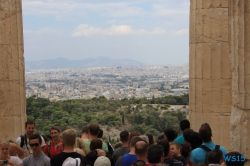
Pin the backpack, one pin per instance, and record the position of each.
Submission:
(49, 149)
(110, 148)
(24, 140)
(208, 150)
(119, 161)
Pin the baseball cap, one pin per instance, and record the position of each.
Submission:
(71, 162)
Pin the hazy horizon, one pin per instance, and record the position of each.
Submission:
(100, 57)
(154, 32)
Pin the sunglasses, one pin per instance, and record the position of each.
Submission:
(36, 144)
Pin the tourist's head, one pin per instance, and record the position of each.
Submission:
(215, 157)
(85, 130)
(165, 145)
(185, 150)
(69, 137)
(155, 154)
(95, 144)
(141, 148)
(35, 142)
(184, 124)
(30, 127)
(205, 132)
(160, 137)
(54, 132)
(194, 140)
(134, 140)
(150, 138)
(186, 134)
(124, 136)
(36, 136)
(132, 134)
(175, 149)
(79, 151)
(94, 129)
(170, 134)
(5, 146)
(102, 161)
(80, 144)
(140, 163)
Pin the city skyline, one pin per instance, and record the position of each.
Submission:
(152, 32)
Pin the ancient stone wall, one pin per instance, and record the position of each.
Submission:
(210, 71)
(239, 16)
(12, 83)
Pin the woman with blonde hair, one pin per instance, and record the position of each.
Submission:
(5, 158)
(79, 151)
(81, 145)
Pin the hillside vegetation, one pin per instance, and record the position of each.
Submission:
(143, 115)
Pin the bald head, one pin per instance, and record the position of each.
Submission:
(141, 148)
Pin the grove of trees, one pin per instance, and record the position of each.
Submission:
(143, 115)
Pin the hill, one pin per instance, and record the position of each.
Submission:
(143, 115)
(60, 63)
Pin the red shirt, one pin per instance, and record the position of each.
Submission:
(189, 163)
(53, 150)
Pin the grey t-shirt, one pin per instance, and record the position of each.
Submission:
(120, 152)
(40, 160)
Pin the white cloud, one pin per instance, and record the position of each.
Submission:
(87, 30)
(180, 32)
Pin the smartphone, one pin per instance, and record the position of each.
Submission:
(5, 161)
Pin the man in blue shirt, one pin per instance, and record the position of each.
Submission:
(129, 158)
(198, 155)
(184, 124)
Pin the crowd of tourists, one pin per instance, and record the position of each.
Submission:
(66, 149)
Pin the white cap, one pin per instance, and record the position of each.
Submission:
(102, 161)
(71, 162)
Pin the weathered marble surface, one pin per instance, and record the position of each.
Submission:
(239, 21)
(12, 83)
(210, 68)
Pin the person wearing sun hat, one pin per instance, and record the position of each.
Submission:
(102, 161)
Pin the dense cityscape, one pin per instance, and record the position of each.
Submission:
(111, 82)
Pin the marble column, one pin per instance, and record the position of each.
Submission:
(12, 82)
(239, 21)
(210, 72)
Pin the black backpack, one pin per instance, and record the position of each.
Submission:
(208, 150)
(24, 140)
(110, 148)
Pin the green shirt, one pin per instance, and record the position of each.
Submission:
(104, 146)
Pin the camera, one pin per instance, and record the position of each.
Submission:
(5, 161)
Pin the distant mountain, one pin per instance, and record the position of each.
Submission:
(60, 63)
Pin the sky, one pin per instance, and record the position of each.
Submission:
(154, 32)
